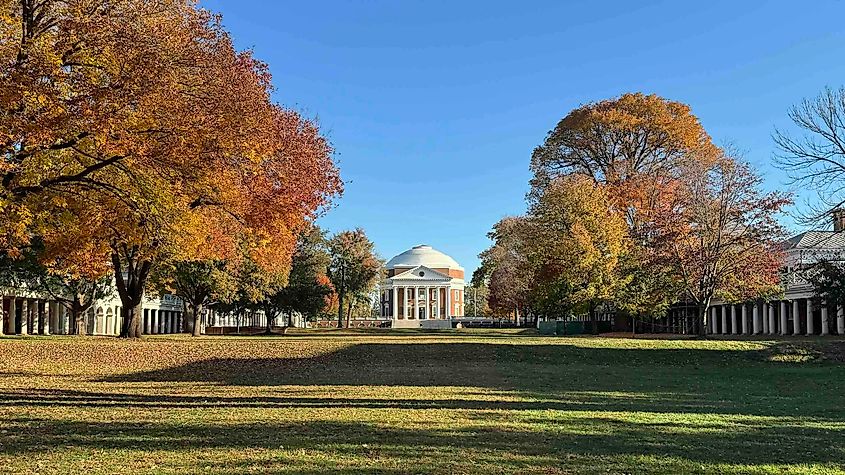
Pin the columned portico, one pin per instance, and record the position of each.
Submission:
(418, 288)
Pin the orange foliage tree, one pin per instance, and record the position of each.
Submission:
(634, 143)
(718, 236)
(142, 116)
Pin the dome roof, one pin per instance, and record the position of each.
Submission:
(423, 255)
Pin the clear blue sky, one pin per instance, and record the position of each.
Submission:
(434, 106)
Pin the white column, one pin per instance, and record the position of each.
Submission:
(10, 321)
(825, 325)
(840, 320)
(756, 317)
(428, 302)
(744, 318)
(66, 323)
(24, 317)
(448, 302)
(765, 317)
(772, 324)
(734, 327)
(796, 318)
(44, 317)
(725, 320)
(714, 327)
(56, 317)
(409, 302)
(810, 325)
(395, 308)
(417, 302)
(157, 320)
(784, 321)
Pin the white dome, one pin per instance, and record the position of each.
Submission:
(423, 255)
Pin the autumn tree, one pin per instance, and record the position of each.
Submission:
(507, 266)
(815, 158)
(307, 287)
(634, 143)
(354, 268)
(153, 123)
(578, 240)
(718, 235)
(198, 284)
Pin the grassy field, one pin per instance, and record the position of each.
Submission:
(392, 402)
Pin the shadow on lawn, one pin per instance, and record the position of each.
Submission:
(562, 377)
(570, 445)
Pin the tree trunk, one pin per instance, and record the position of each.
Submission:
(702, 320)
(269, 329)
(132, 321)
(77, 322)
(195, 315)
(349, 312)
(340, 309)
(130, 288)
(593, 324)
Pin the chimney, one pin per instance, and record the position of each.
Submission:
(838, 219)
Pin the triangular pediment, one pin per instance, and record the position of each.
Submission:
(427, 274)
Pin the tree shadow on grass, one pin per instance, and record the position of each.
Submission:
(55, 398)
(555, 376)
(508, 448)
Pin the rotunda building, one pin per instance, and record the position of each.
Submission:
(423, 288)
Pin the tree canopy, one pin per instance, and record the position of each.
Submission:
(138, 129)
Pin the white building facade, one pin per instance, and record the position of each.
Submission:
(29, 313)
(800, 311)
(424, 288)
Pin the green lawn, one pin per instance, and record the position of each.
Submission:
(406, 402)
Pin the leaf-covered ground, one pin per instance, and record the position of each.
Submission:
(406, 402)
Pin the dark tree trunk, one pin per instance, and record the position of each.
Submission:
(340, 309)
(195, 316)
(130, 288)
(132, 321)
(77, 326)
(702, 320)
(593, 324)
(269, 327)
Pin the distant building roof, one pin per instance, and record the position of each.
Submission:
(817, 240)
(423, 255)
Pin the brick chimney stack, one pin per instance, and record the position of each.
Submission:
(838, 219)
